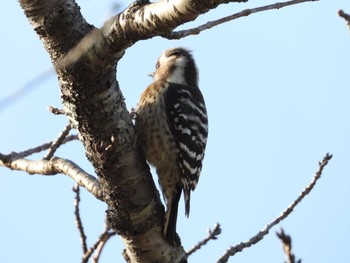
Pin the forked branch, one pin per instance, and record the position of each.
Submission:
(96, 249)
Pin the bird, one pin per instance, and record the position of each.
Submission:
(172, 130)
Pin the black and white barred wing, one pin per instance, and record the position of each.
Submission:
(189, 125)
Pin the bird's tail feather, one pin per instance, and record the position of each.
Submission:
(171, 218)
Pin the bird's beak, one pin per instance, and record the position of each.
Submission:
(151, 74)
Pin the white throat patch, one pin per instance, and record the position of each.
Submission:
(178, 75)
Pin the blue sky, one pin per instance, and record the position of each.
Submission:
(275, 84)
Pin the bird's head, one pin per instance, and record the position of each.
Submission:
(176, 65)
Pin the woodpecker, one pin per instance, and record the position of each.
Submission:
(172, 129)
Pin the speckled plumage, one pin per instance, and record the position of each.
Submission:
(172, 128)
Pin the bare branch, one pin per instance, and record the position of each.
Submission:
(287, 246)
(19, 155)
(140, 20)
(58, 142)
(98, 246)
(55, 166)
(101, 244)
(258, 237)
(244, 13)
(147, 20)
(212, 236)
(25, 89)
(78, 221)
(344, 15)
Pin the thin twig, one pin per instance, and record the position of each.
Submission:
(55, 111)
(25, 89)
(255, 239)
(195, 31)
(78, 222)
(344, 15)
(58, 142)
(98, 246)
(287, 246)
(101, 245)
(212, 236)
(19, 155)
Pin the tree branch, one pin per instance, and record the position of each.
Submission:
(78, 221)
(344, 15)
(143, 21)
(139, 21)
(243, 13)
(258, 237)
(25, 89)
(98, 246)
(213, 234)
(57, 143)
(287, 246)
(18, 155)
(55, 166)
(101, 244)
(55, 111)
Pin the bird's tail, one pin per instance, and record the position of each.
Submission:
(171, 219)
(187, 197)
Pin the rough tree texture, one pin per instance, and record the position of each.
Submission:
(85, 59)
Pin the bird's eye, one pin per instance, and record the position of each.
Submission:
(157, 65)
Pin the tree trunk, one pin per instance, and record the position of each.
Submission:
(85, 59)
